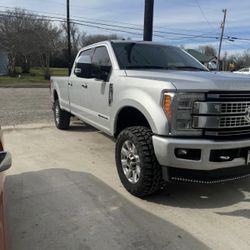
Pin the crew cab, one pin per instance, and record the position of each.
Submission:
(172, 118)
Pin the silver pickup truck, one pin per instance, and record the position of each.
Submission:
(173, 120)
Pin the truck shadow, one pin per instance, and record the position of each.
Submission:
(204, 196)
(79, 126)
(60, 209)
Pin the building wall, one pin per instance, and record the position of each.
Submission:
(3, 63)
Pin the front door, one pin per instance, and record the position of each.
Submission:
(97, 101)
(78, 91)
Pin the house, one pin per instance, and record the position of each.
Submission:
(3, 63)
(209, 61)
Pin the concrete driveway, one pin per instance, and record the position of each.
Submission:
(63, 192)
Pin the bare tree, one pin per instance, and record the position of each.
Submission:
(208, 50)
(74, 35)
(46, 39)
(27, 37)
(10, 26)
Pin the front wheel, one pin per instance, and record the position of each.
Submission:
(62, 117)
(137, 166)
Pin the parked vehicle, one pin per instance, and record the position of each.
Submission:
(244, 71)
(5, 163)
(171, 117)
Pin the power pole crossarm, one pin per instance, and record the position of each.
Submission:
(221, 38)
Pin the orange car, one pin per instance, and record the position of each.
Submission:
(5, 163)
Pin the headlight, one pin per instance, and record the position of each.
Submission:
(179, 108)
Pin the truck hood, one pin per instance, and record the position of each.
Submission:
(195, 80)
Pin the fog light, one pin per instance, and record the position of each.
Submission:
(188, 153)
(182, 151)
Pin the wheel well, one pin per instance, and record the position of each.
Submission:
(55, 95)
(129, 117)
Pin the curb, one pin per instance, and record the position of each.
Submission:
(28, 126)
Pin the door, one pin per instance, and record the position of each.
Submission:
(77, 88)
(98, 92)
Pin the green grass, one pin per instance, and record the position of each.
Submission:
(34, 79)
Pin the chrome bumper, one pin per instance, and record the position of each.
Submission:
(5, 161)
(164, 148)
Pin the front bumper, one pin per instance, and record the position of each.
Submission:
(164, 148)
(5, 161)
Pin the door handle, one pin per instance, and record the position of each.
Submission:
(85, 85)
(70, 84)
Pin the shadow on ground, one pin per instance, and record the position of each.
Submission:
(205, 196)
(79, 126)
(59, 209)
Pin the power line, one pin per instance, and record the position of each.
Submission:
(203, 14)
(130, 30)
(102, 20)
(156, 32)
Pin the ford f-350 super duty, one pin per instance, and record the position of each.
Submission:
(172, 118)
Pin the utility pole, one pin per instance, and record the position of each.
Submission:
(221, 38)
(148, 20)
(69, 40)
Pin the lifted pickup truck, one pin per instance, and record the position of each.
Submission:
(171, 117)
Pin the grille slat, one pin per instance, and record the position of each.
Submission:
(231, 122)
(232, 111)
(237, 107)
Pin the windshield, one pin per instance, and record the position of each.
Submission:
(154, 56)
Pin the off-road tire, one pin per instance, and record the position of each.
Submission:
(62, 119)
(150, 180)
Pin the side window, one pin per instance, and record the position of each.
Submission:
(88, 52)
(82, 64)
(101, 64)
(101, 57)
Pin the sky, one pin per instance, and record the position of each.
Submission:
(190, 23)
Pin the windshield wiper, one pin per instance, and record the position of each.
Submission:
(188, 67)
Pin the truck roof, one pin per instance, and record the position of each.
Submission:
(126, 41)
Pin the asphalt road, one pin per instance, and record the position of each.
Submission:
(24, 106)
(63, 192)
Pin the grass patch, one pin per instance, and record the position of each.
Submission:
(34, 79)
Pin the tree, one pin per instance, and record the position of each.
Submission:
(27, 38)
(10, 25)
(75, 38)
(47, 40)
(208, 50)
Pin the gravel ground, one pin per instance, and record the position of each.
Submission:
(24, 106)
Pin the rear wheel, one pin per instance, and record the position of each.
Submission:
(137, 166)
(62, 117)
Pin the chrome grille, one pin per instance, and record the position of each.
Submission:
(223, 114)
(233, 121)
(234, 107)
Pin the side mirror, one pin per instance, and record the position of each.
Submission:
(5, 161)
(83, 67)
